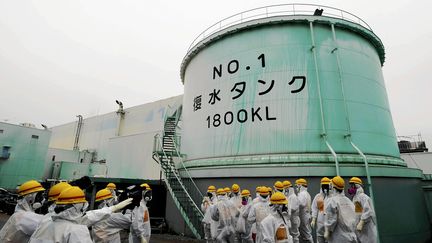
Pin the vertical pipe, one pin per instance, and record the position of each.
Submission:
(369, 180)
(78, 132)
(323, 127)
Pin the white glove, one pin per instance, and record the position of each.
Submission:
(121, 205)
(360, 225)
(313, 222)
(143, 240)
(326, 234)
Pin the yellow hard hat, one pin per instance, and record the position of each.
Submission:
(71, 195)
(245, 193)
(263, 191)
(325, 181)
(301, 181)
(30, 187)
(278, 198)
(146, 186)
(103, 194)
(111, 186)
(338, 182)
(279, 185)
(220, 191)
(286, 184)
(227, 190)
(257, 189)
(55, 190)
(235, 188)
(356, 180)
(211, 189)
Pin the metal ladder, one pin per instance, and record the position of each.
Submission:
(182, 189)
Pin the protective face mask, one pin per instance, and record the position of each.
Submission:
(30, 198)
(264, 196)
(325, 189)
(36, 205)
(148, 196)
(284, 208)
(352, 190)
(79, 207)
(244, 201)
(209, 194)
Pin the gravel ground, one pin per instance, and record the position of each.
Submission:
(155, 238)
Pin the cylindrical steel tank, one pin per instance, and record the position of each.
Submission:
(291, 93)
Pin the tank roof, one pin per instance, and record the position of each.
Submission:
(278, 14)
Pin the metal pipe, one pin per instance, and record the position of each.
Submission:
(78, 132)
(369, 180)
(323, 127)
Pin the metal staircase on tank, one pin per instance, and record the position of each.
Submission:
(183, 190)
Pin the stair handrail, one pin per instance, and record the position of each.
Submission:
(176, 147)
(182, 211)
(184, 167)
(180, 182)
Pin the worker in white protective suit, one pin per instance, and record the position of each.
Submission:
(228, 192)
(21, 225)
(243, 227)
(68, 223)
(224, 213)
(365, 213)
(278, 187)
(236, 197)
(293, 207)
(304, 211)
(276, 225)
(339, 219)
(259, 211)
(318, 205)
(208, 223)
(113, 189)
(53, 194)
(140, 230)
(108, 230)
(255, 200)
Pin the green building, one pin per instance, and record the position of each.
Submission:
(23, 150)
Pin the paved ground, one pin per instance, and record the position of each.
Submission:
(155, 238)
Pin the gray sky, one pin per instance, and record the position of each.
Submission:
(61, 58)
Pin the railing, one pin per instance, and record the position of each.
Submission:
(278, 10)
(174, 172)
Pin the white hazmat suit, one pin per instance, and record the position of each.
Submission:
(244, 228)
(339, 220)
(318, 205)
(64, 227)
(365, 217)
(293, 207)
(224, 213)
(140, 229)
(259, 211)
(22, 224)
(276, 227)
(305, 214)
(208, 223)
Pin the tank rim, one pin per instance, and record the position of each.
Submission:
(340, 23)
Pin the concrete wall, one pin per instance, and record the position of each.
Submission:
(399, 202)
(421, 161)
(28, 149)
(125, 144)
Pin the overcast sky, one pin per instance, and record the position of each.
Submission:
(62, 58)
